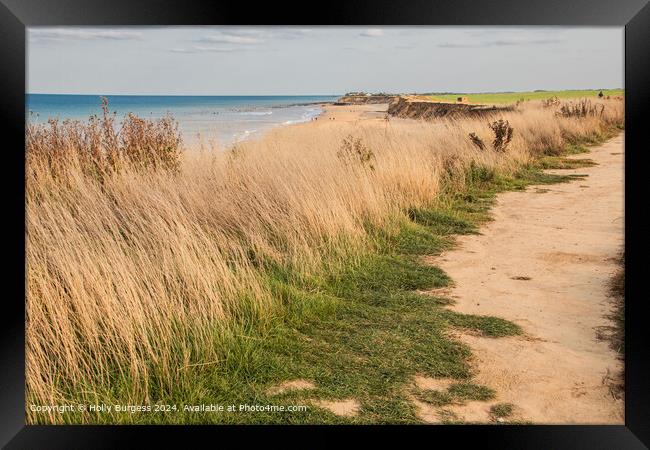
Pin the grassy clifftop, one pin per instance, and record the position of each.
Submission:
(512, 97)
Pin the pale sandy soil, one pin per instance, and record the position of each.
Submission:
(346, 408)
(353, 113)
(292, 385)
(566, 240)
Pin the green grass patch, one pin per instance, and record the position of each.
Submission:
(551, 162)
(485, 325)
(501, 410)
(512, 97)
(415, 239)
(442, 222)
(435, 398)
(456, 393)
(575, 149)
(470, 391)
(615, 333)
(379, 276)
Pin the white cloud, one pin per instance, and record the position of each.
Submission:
(252, 36)
(90, 59)
(180, 50)
(292, 33)
(81, 34)
(499, 43)
(266, 33)
(372, 32)
(205, 49)
(504, 42)
(230, 39)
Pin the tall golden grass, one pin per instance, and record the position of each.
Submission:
(136, 275)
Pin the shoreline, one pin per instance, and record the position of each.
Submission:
(330, 113)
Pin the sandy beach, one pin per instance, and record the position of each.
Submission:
(352, 113)
(332, 113)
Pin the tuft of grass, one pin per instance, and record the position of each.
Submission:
(485, 325)
(574, 149)
(616, 335)
(442, 222)
(470, 391)
(375, 276)
(416, 239)
(458, 393)
(551, 162)
(435, 398)
(501, 410)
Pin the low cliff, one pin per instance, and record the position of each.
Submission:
(407, 108)
(363, 99)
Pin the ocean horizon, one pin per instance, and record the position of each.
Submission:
(221, 118)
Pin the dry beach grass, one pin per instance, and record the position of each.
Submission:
(137, 275)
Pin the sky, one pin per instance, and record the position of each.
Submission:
(198, 60)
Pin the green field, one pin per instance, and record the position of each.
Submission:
(511, 97)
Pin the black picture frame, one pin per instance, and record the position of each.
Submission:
(634, 15)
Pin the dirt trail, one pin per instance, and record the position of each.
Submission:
(566, 241)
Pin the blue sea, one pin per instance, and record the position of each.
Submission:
(225, 119)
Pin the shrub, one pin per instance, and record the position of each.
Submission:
(100, 147)
(354, 152)
(477, 173)
(582, 108)
(502, 135)
(551, 102)
(477, 141)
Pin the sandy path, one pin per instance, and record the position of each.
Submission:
(566, 240)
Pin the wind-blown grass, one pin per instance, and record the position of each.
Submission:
(198, 282)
